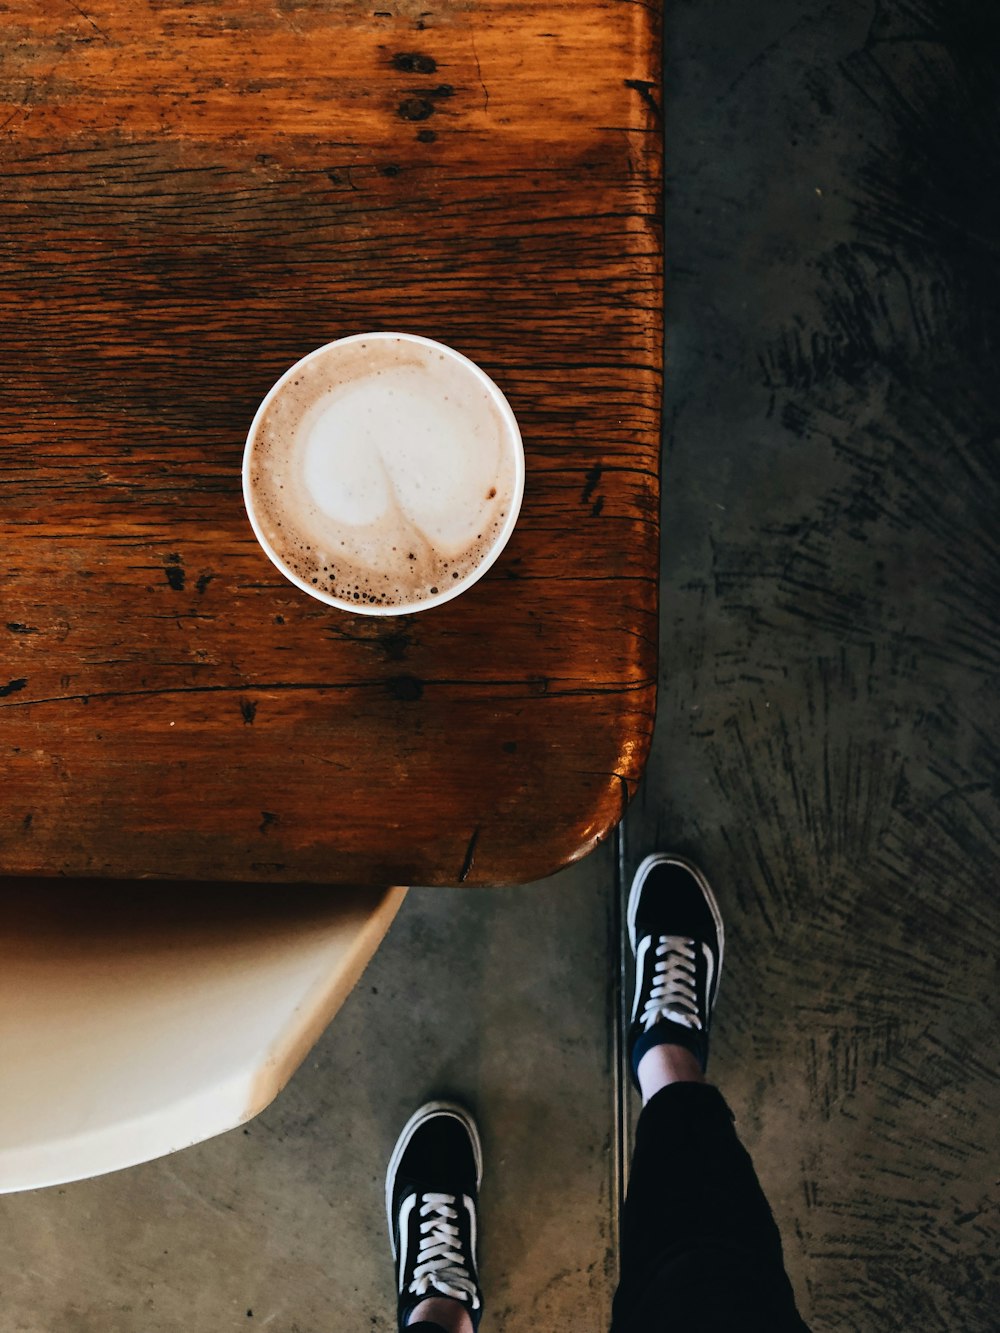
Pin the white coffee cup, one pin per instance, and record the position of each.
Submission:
(383, 473)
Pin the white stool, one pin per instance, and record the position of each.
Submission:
(139, 1018)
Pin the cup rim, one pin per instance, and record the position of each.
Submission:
(513, 441)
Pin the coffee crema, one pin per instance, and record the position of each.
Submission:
(382, 470)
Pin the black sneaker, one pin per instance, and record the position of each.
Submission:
(676, 933)
(431, 1199)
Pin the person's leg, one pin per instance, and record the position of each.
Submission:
(699, 1244)
(432, 1200)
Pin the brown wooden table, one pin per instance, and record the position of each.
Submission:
(194, 194)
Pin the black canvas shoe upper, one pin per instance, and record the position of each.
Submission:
(432, 1191)
(677, 936)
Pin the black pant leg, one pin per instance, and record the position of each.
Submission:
(700, 1248)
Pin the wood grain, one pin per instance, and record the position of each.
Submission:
(192, 197)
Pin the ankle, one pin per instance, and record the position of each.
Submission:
(666, 1064)
(451, 1315)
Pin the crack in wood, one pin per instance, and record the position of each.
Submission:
(470, 856)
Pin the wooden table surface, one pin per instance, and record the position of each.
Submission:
(192, 196)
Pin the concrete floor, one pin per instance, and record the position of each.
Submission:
(827, 748)
(467, 996)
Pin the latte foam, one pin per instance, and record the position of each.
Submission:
(380, 470)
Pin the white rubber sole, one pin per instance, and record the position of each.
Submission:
(642, 874)
(418, 1118)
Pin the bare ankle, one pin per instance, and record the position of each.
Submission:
(451, 1315)
(666, 1064)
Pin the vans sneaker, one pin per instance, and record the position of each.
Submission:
(677, 937)
(431, 1199)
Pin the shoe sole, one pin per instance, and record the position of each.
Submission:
(639, 880)
(418, 1118)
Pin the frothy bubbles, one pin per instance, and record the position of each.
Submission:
(382, 471)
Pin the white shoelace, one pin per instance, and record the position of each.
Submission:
(674, 993)
(440, 1262)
